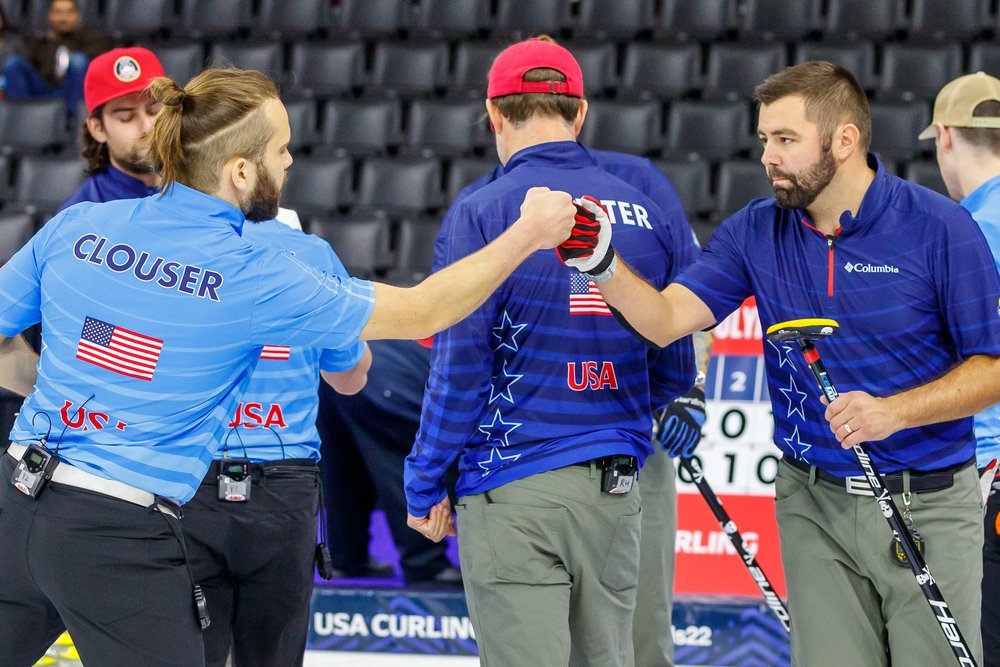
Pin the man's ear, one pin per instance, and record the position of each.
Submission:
(496, 118)
(581, 115)
(846, 140)
(241, 174)
(945, 139)
(96, 128)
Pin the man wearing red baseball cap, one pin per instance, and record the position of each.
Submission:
(548, 511)
(120, 112)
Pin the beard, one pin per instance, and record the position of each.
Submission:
(135, 162)
(262, 204)
(803, 188)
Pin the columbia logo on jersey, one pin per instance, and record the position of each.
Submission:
(858, 267)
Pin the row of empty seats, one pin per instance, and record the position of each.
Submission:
(447, 127)
(661, 69)
(700, 19)
(376, 193)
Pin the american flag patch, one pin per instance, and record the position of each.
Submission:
(118, 350)
(585, 298)
(276, 352)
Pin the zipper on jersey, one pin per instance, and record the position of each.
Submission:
(830, 238)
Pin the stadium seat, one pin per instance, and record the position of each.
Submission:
(302, 119)
(259, 55)
(925, 173)
(985, 57)
(326, 68)
(15, 230)
(715, 130)
(876, 19)
(598, 62)
(180, 60)
(215, 18)
(32, 125)
(778, 19)
(447, 18)
(472, 67)
(622, 19)
(520, 19)
(44, 182)
(739, 182)
(138, 20)
(292, 18)
(954, 19)
(446, 127)
(630, 126)
(34, 19)
(361, 243)
(895, 126)
(319, 186)
(691, 178)
(409, 68)
(414, 250)
(704, 19)
(660, 69)
(735, 68)
(464, 171)
(371, 18)
(857, 56)
(361, 126)
(918, 70)
(399, 185)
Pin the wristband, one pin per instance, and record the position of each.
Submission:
(605, 269)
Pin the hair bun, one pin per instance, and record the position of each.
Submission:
(167, 92)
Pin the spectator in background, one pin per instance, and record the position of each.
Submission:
(56, 63)
(966, 133)
(120, 112)
(10, 43)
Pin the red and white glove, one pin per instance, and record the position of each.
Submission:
(588, 248)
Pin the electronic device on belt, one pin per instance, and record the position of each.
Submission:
(619, 473)
(34, 470)
(234, 480)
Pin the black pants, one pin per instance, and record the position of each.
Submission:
(110, 572)
(366, 437)
(254, 561)
(991, 584)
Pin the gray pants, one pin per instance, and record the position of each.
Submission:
(551, 566)
(652, 638)
(850, 605)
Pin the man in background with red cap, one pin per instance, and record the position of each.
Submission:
(119, 113)
(544, 397)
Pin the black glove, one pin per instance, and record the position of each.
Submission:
(679, 424)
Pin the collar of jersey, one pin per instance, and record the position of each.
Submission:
(129, 181)
(978, 197)
(196, 205)
(872, 204)
(564, 154)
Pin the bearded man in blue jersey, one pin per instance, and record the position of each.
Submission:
(910, 278)
(156, 312)
(545, 398)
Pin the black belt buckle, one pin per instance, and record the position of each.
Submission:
(619, 473)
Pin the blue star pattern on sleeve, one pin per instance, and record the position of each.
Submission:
(506, 332)
(497, 431)
(507, 381)
(795, 443)
(795, 398)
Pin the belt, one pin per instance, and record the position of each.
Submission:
(599, 461)
(262, 468)
(921, 481)
(68, 475)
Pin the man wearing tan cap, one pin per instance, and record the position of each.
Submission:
(966, 133)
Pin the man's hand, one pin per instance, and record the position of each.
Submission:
(588, 248)
(679, 424)
(549, 216)
(436, 524)
(857, 416)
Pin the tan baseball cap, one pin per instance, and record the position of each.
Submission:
(957, 100)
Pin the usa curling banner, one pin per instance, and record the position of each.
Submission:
(719, 617)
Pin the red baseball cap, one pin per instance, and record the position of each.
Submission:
(507, 72)
(119, 72)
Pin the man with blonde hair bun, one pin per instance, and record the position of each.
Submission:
(155, 313)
